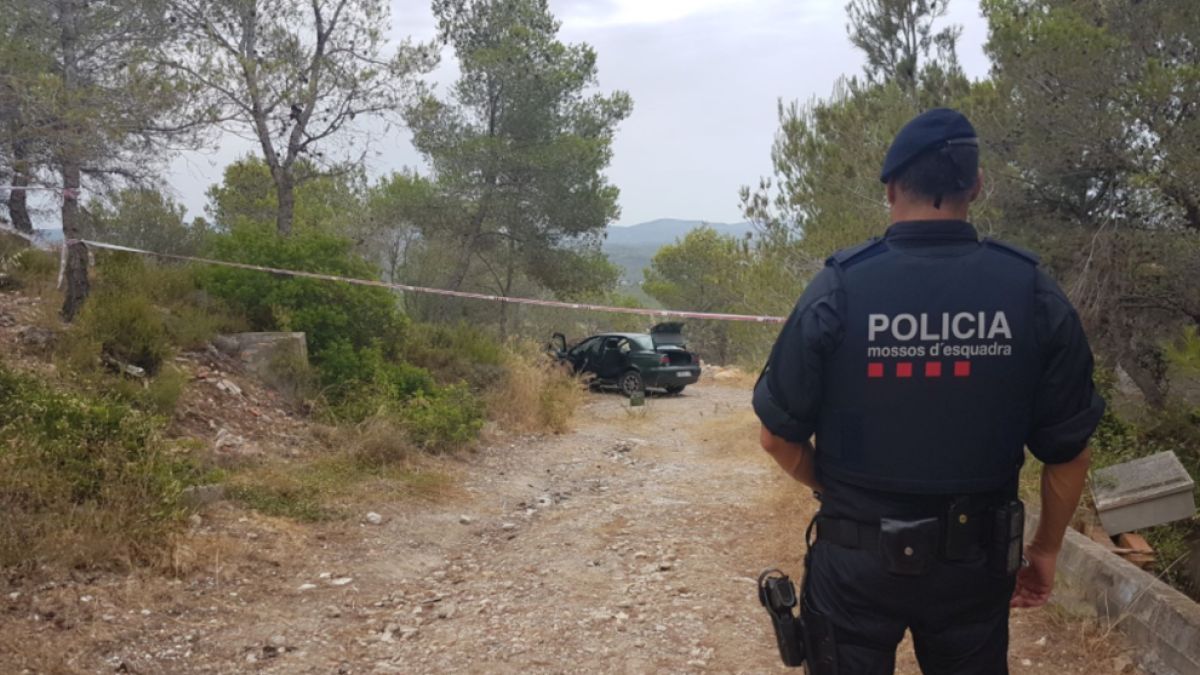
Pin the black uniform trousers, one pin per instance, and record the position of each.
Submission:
(958, 612)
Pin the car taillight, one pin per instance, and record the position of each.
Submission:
(666, 360)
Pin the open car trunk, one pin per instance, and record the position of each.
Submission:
(668, 335)
(668, 339)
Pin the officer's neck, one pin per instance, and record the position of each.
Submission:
(905, 211)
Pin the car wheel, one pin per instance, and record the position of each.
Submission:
(631, 383)
(675, 391)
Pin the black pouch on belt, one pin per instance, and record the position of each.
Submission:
(909, 547)
(1008, 539)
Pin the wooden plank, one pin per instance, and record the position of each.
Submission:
(1134, 541)
(1136, 550)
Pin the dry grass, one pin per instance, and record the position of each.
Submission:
(329, 485)
(734, 439)
(536, 394)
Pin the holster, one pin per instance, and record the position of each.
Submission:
(805, 640)
(777, 593)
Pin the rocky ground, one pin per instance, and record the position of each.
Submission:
(629, 546)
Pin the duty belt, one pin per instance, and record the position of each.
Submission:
(910, 546)
(865, 536)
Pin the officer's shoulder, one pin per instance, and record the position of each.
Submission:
(1014, 251)
(856, 254)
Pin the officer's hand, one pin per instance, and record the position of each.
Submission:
(1035, 581)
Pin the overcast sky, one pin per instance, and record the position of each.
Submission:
(705, 76)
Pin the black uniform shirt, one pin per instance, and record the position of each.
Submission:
(788, 396)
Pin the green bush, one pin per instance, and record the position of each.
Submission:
(331, 314)
(83, 480)
(123, 327)
(457, 353)
(447, 421)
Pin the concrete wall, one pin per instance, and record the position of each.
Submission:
(1162, 624)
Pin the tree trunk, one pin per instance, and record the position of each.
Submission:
(470, 241)
(18, 204)
(285, 184)
(77, 257)
(508, 284)
(1144, 377)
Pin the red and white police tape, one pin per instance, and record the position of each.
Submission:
(406, 288)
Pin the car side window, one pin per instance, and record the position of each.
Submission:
(585, 346)
(625, 347)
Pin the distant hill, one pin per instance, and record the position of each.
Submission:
(633, 247)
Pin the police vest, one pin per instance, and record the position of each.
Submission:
(931, 389)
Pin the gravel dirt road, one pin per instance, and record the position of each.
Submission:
(627, 547)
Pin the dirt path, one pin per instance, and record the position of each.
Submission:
(627, 547)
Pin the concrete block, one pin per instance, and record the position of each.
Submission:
(1161, 623)
(1150, 491)
(258, 351)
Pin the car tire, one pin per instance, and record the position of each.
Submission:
(675, 391)
(631, 383)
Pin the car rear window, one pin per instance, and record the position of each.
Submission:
(643, 342)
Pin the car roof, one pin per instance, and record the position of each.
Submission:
(622, 335)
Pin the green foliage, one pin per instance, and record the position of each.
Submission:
(140, 312)
(248, 196)
(124, 328)
(710, 272)
(319, 490)
(519, 147)
(334, 316)
(448, 421)
(295, 75)
(139, 315)
(1186, 352)
(455, 353)
(895, 34)
(146, 219)
(83, 480)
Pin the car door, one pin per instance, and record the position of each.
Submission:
(579, 355)
(611, 358)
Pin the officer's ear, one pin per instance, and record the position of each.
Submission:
(975, 191)
(893, 193)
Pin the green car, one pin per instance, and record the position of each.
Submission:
(633, 362)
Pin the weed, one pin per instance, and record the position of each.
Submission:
(83, 480)
(290, 373)
(450, 420)
(322, 489)
(379, 442)
(536, 394)
(458, 353)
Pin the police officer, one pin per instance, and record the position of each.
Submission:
(924, 363)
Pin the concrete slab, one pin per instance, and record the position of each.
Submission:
(1145, 492)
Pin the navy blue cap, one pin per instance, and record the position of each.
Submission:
(924, 132)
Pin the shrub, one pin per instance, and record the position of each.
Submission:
(22, 265)
(447, 421)
(458, 353)
(121, 327)
(83, 480)
(330, 314)
(536, 394)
